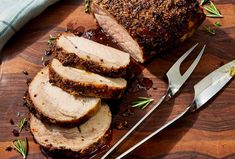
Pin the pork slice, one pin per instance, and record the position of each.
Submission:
(145, 28)
(78, 51)
(79, 141)
(51, 104)
(79, 81)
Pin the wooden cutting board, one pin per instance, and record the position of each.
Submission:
(206, 134)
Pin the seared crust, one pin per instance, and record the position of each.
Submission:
(72, 60)
(62, 152)
(86, 153)
(155, 25)
(69, 123)
(77, 88)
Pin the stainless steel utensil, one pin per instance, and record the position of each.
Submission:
(204, 91)
(175, 81)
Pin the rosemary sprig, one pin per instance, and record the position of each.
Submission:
(142, 102)
(217, 23)
(87, 6)
(209, 30)
(214, 12)
(21, 124)
(51, 38)
(21, 146)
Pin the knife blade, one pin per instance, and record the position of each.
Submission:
(204, 91)
(212, 84)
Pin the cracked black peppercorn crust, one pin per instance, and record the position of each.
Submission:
(80, 82)
(76, 62)
(156, 25)
(77, 52)
(89, 152)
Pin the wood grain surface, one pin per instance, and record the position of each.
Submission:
(206, 134)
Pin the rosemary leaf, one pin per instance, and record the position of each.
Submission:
(213, 6)
(209, 9)
(138, 104)
(87, 6)
(21, 124)
(209, 30)
(217, 23)
(146, 104)
(143, 98)
(51, 38)
(17, 114)
(203, 2)
(214, 12)
(21, 145)
(214, 16)
(142, 102)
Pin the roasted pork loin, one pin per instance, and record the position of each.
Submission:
(78, 81)
(51, 104)
(77, 141)
(145, 28)
(78, 51)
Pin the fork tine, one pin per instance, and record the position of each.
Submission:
(175, 79)
(194, 64)
(181, 59)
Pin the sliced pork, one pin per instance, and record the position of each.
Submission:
(51, 104)
(78, 52)
(79, 81)
(145, 28)
(78, 141)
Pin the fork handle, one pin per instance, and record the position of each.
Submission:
(154, 133)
